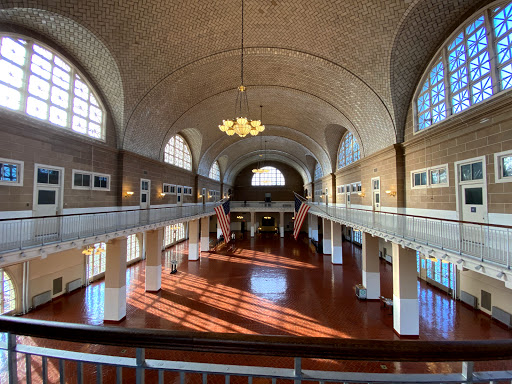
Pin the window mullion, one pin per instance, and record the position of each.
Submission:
(447, 85)
(492, 42)
(26, 73)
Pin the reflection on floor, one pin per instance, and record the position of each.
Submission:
(276, 286)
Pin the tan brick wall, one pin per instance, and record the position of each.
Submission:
(483, 130)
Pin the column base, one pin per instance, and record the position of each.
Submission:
(153, 278)
(406, 317)
(205, 244)
(193, 252)
(337, 255)
(115, 304)
(371, 281)
(407, 337)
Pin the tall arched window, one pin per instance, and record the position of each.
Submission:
(215, 171)
(318, 171)
(96, 260)
(465, 71)
(177, 153)
(132, 247)
(7, 293)
(349, 150)
(37, 81)
(271, 178)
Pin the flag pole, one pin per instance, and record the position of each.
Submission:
(300, 197)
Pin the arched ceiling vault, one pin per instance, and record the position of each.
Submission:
(253, 158)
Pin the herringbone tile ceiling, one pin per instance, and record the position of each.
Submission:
(319, 67)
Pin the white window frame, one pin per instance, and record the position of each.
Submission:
(21, 167)
(498, 171)
(92, 175)
(428, 171)
(172, 189)
(339, 189)
(187, 191)
(355, 187)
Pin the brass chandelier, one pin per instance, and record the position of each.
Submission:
(242, 125)
(261, 169)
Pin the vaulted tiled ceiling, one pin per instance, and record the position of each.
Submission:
(318, 67)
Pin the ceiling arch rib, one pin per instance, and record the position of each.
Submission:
(252, 158)
(346, 99)
(283, 139)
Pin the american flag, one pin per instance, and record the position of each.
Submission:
(301, 210)
(224, 219)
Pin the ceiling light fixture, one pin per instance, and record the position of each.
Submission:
(242, 125)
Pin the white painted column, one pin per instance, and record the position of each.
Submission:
(406, 319)
(154, 260)
(193, 240)
(327, 246)
(205, 234)
(336, 243)
(371, 266)
(252, 224)
(115, 280)
(310, 227)
(219, 230)
(281, 224)
(314, 227)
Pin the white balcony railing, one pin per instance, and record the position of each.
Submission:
(487, 242)
(262, 205)
(23, 233)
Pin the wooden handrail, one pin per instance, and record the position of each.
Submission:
(418, 217)
(289, 346)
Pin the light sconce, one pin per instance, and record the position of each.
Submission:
(162, 194)
(239, 217)
(293, 218)
(267, 217)
(361, 194)
(129, 193)
(391, 193)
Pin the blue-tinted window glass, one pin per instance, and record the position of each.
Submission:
(503, 21)
(477, 42)
(479, 66)
(504, 49)
(8, 172)
(460, 101)
(482, 90)
(459, 79)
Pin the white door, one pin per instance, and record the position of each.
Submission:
(48, 182)
(376, 193)
(347, 195)
(145, 190)
(203, 195)
(179, 195)
(326, 196)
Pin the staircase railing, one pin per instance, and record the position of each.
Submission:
(78, 366)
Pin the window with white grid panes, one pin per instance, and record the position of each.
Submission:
(132, 247)
(7, 293)
(318, 171)
(96, 262)
(180, 233)
(349, 150)
(177, 153)
(40, 83)
(215, 171)
(474, 64)
(273, 177)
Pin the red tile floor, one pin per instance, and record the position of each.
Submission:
(273, 286)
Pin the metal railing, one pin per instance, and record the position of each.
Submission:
(23, 361)
(486, 242)
(277, 205)
(23, 233)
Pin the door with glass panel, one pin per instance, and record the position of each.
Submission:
(348, 190)
(179, 195)
(376, 193)
(472, 200)
(145, 190)
(47, 201)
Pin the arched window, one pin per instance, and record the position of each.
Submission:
(37, 81)
(464, 71)
(318, 171)
(96, 260)
(7, 293)
(132, 247)
(270, 178)
(215, 171)
(177, 153)
(349, 150)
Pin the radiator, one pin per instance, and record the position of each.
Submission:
(500, 315)
(41, 299)
(72, 285)
(470, 300)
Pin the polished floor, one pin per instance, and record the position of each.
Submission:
(270, 285)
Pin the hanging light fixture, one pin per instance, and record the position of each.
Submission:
(242, 125)
(262, 169)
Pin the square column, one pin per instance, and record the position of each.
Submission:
(314, 227)
(406, 319)
(326, 223)
(154, 260)
(336, 243)
(252, 224)
(281, 224)
(205, 234)
(193, 240)
(115, 280)
(371, 266)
